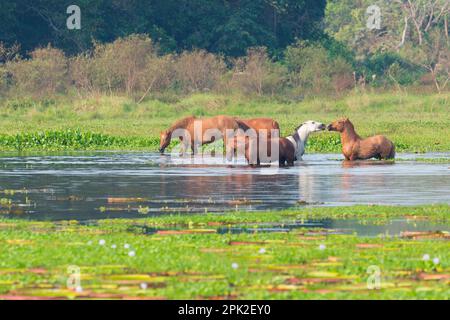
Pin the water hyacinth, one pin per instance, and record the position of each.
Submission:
(131, 253)
(102, 242)
(436, 260)
(322, 247)
(426, 257)
(234, 265)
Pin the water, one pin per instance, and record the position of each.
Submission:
(87, 186)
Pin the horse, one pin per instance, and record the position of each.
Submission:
(356, 148)
(210, 129)
(260, 124)
(301, 135)
(291, 148)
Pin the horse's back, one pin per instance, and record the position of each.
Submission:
(378, 146)
(261, 123)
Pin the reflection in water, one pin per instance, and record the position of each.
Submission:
(307, 184)
(92, 186)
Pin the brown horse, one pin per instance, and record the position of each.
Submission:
(258, 124)
(356, 148)
(214, 127)
(261, 126)
(250, 145)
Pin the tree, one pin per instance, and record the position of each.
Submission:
(223, 26)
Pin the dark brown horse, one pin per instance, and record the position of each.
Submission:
(209, 130)
(356, 148)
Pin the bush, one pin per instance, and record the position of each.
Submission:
(390, 68)
(43, 75)
(257, 74)
(311, 69)
(7, 54)
(198, 71)
(158, 75)
(82, 73)
(119, 66)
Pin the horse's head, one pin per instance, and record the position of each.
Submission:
(164, 140)
(338, 125)
(311, 126)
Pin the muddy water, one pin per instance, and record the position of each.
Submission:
(111, 184)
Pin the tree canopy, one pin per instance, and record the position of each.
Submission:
(220, 26)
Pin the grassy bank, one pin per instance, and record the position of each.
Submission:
(182, 256)
(416, 123)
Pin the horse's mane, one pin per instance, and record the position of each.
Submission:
(352, 127)
(182, 123)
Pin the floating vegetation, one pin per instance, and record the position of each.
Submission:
(425, 160)
(72, 139)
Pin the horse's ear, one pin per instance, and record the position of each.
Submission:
(242, 125)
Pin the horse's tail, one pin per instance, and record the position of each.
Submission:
(392, 153)
(275, 125)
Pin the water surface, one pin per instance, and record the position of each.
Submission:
(115, 184)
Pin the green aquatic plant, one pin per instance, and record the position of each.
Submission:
(154, 258)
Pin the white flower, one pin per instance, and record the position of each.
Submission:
(234, 265)
(126, 246)
(79, 289)
(436, 260)
(131, 253)
(322, 247)
(262, 250)
(143, 286)
(113, 246)
(426, 257)
(102, 242)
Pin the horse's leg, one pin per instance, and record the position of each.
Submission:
(183, 147)
(193, 148)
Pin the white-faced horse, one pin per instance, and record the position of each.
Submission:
(301, 134)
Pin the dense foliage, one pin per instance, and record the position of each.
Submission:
(283, 48)
(229, 27)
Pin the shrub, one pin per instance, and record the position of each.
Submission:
(257, 74)
(43, 75)
(158, 75)
(311, 69)
(7, 54)
(390, 68)
(198, 71)
(118, 66)
(82, 73)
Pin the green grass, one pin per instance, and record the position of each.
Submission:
(191, 261)
(416, 123)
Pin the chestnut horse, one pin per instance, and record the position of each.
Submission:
(250, 146)
(217, 126)
(261, 126)
(258, 124)
(356, 148)
(298, 141)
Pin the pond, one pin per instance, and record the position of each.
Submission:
(86, 186)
